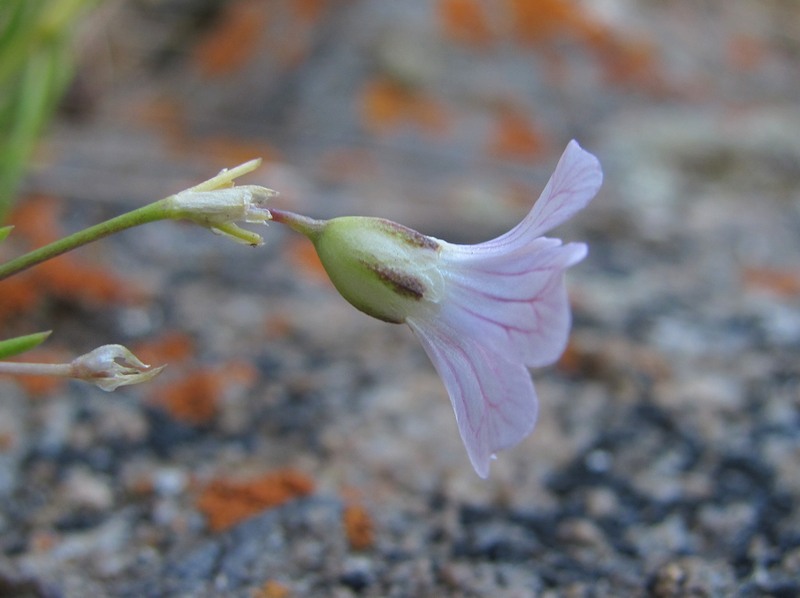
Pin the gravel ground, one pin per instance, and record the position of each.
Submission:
(294, 447)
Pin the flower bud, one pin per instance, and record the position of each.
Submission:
(112, 366)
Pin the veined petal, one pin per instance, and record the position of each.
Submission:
(509, 292)
(516, 305)
(571, 187)
(493, 398)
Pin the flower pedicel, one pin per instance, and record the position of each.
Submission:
(484, 313)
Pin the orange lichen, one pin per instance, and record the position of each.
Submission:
(358, 527)
(226, 503)
(387, 105)
(272, 589)
(384, 105)
(630, 61)
(228, 46)
(464, 21)
(193, 398)
(309, 11)
(68, 279)
(170, 347)
(541, 21)
(35, 219)
(40, 386)
(780, 282)
(19, 295)
(515, 136)
(65, 278)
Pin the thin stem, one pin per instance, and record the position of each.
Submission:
(309, 227)
(217, 214)
(149, 213)
(36, 369)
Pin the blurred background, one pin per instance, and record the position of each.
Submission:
(294, 447)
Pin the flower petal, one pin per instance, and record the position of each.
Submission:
(493, 398)
(516, 304)
(571, 187)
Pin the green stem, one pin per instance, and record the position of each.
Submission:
(192, 204)
(158, 210)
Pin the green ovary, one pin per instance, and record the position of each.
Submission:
(383, 269)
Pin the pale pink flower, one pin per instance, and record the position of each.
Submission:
(484, 313)
(504, 309)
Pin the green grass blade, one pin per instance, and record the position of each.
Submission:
(20, 344)
(4, 232)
